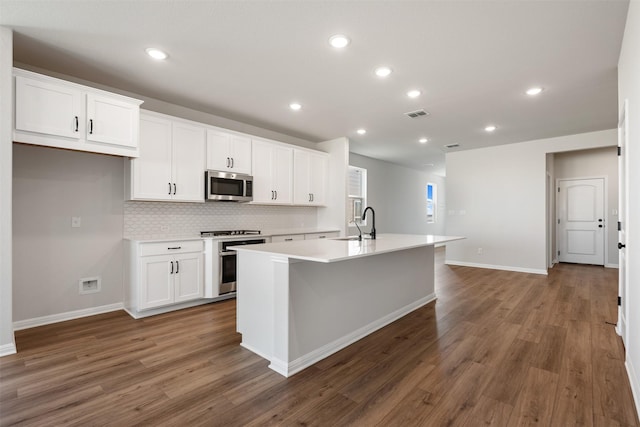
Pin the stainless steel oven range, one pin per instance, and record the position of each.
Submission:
(226, 277)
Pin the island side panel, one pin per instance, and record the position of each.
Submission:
(332, 305)
(255, 302)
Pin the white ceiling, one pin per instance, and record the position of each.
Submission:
(247, 60)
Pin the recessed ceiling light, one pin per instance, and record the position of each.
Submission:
(339, 41)
(490, 128)
(295, 106)
(383, 71)
(534, 91)
(423, 140)
(361, 131)
(156, 53)
(414, 93)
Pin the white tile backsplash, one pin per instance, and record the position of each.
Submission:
(157, 220)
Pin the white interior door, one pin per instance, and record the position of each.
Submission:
(623, 309)
(581, 225)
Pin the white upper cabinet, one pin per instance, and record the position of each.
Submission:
(57, 113)
(310, 177)
(228, 152)
(171, 163)
(272, 166)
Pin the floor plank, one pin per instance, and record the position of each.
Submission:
(497, 348)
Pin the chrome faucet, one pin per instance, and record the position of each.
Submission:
(373, 225)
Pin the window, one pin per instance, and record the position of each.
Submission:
(357, 194)
(431, 203)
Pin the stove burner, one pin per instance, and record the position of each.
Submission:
(228, 233)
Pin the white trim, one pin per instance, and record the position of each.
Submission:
(174, 307)
(633, 381)
(62, 317)
(608, 265)
(497, 267)
(7, 349)
(289, 369)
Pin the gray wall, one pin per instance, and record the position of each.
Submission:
(601, 162)
(398, 195)
(49, 256)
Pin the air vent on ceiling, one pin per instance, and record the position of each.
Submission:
(452, 146)
(416, 114)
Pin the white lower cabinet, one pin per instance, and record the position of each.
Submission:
(164, 273)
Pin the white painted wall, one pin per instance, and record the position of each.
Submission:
(496, 198)
(7, 343)
(49, 256)
(601, 162)
(629, 88)
(398, 195)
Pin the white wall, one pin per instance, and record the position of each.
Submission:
(7, 343)
(49, 256)
(496, 198)
(601, 162)
(629, 88)
(398, 195)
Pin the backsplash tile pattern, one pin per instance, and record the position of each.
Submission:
(158, 220)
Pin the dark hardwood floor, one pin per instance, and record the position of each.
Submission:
(497, 348)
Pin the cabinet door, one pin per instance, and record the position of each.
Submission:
(261, 167)
(282, 174)
(188, 154)
(218, 150)
(112, 121)
(318, 174)
(156, 281)
(241, 154)
(151, 171)
(48, 108)
(301, 171)
(189, 283)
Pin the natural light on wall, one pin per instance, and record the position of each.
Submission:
(431, 203)
(357, 194)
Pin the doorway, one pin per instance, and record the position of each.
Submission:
(581, 221)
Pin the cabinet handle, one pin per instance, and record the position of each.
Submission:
(232, 163)
(174, 188)
(228, 163)
(169, 188)
(272, 195)
(177, 267)
(175, 247)
(171, 267)
(276, 191)
(76, 123)
(288, 240)
(312, 197)
(322, 237)
(90, 126)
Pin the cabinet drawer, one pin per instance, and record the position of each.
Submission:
(171, 247)
(287, 238)
(311, 236)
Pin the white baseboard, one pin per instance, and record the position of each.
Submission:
(611, 265)
(7, 349)
(289, 369)
(497, 267)
(634, 382)
(62, 317)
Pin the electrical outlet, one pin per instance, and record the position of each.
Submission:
(479, 251)
(76, 221)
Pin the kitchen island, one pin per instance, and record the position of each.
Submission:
(299, 302)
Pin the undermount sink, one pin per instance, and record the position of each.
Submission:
(353, 238)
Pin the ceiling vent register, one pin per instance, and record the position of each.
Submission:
(452, 146)
(416, 114)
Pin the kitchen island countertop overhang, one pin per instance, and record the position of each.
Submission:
(299, 302)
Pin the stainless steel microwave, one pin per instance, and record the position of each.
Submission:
(225, 186)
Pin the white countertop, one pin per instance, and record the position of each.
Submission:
(332, 250)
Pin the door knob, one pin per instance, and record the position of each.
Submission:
(621, 245)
